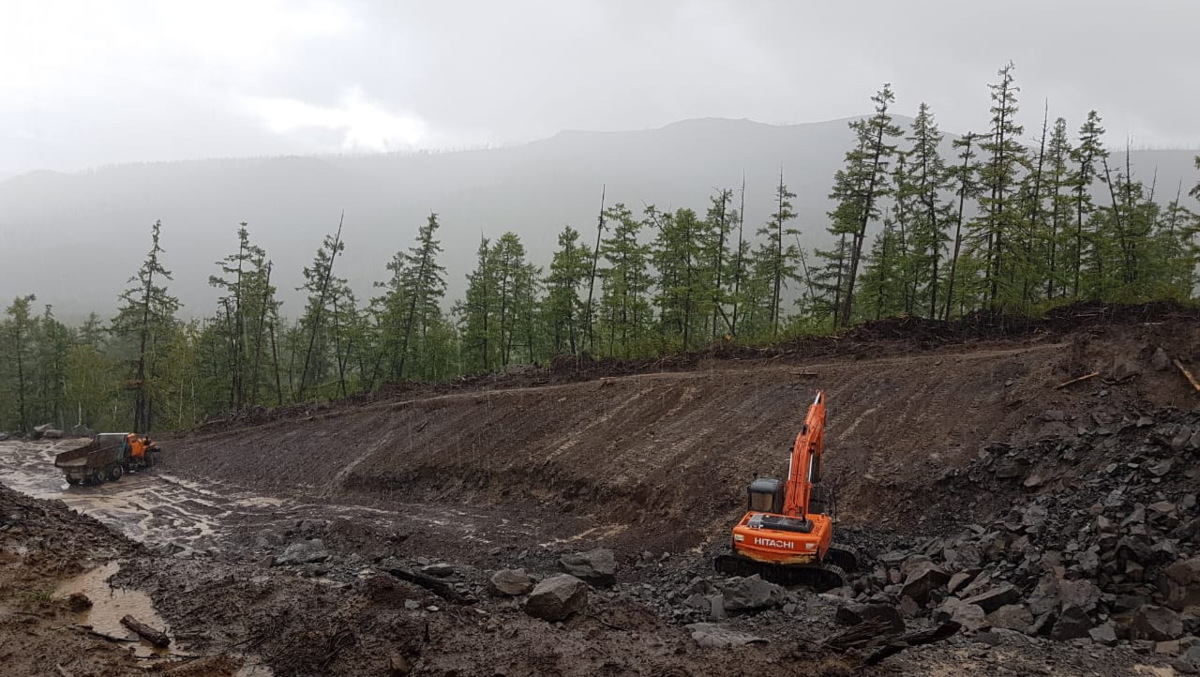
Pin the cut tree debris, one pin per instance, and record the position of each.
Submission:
(438, 587)
(1187, 374)
(156, 637)
(1085, 377)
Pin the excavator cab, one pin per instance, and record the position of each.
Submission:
(765, 494)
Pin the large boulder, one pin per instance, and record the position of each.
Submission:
(922, 580)
(303, 552)
(1072, 623)
(597, 567)
(1180, 584)
(1156, 623)
(1082, 593)
(969, 616)
(750, 594)
(995, 598)
(1011, 616)
(511, 582)
(557, 598)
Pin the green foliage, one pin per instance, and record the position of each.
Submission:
(1000, 226)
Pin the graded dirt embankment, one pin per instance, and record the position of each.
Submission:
(673, 451)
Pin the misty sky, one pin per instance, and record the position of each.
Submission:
(85, 83)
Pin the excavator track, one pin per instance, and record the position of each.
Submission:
(844, 556)
(820, 576)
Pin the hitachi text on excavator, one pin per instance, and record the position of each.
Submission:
(786, 535)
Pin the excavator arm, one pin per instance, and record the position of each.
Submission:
(805, 465)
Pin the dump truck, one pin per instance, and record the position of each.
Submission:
(106, 458)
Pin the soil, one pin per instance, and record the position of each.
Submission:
(517, 471)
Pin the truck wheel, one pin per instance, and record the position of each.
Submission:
(115, 472)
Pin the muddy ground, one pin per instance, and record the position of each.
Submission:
(651, 465)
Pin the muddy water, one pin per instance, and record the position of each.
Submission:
(160, 508)
(110, 604)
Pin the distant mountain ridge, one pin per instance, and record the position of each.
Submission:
(75, 239)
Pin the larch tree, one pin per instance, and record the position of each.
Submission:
(857, 190)
(17, 333)
(625, 311)
(324, 289)
(777, 257)
(145, 319)
(563, 308)
(1088, 155)
(411, 306)
(965, 177)
(929, 181)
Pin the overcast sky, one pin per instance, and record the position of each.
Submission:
(87, 82)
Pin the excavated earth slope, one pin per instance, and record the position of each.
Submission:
(672, 452)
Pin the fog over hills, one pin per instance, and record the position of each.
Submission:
(75, 239)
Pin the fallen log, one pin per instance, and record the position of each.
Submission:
(1187, 374)
(436, 586)
(1085, 377)
(937, 634)
(156, 637)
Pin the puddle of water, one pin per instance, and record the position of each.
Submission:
(110, 604)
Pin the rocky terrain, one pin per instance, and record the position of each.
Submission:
(1015, 519)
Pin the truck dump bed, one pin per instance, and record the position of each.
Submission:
(103, 452)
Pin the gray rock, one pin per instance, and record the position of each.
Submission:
(412, 604)
(511, 582)
(557, 597)
(1011, 616)
(52, 434)
(853, 614)
(1082, 593)
(923, 580)
(1189, 659)
(1073, 623)
(303, 552)
(597, 566)
(3, 436)
(716, 636)
(969, 616)
(1155, 623)
(1105, 634)
(995, 598)
(716, 607)
(1180, 584)
(749, 594)
(960, 579)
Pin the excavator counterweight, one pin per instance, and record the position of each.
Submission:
(783, 536)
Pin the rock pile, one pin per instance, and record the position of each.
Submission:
(1102, 539)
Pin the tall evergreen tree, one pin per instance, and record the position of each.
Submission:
(411, 304)
(928, 182)
(999, 177)
(857, 189)
(18, 331)
(777, 257)
(625, 312)
(965, 176)
(146, 318)
(324, 289)
(1088, 155)
(564, 309)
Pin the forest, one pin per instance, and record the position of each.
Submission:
(998, 224)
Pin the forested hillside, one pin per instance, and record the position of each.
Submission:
(917, 226)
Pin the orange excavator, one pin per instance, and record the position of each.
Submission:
(786, 535)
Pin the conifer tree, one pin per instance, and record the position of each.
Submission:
(857, 189)
(411, 304)
(1000, 218)
(564, 308)
(929, 181)
(624, 303)
(965, 176)
(146, 318)
(777, 258)
(323, 288)
(18, 344)
(1088, 155)
(1059, 181)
